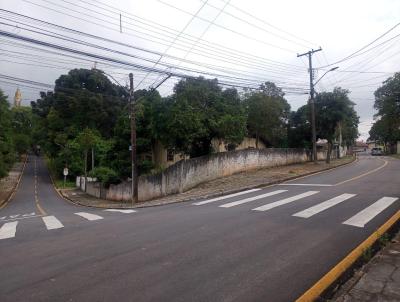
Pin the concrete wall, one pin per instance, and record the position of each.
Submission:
(187, 174)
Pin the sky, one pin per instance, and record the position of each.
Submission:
(243, 43)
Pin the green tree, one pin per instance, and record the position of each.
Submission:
(7, 155)
(268, 114)
(332, 108)
(22, 125)
(198, 111)
(86, 141)
(387, 102)
(299, 132)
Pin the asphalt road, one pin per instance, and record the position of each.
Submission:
(247, 247)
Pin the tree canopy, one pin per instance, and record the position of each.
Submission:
(386, 129)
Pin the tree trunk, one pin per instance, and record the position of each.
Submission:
(328, 154)
(92, 158)
(257, 140)
(86, 158)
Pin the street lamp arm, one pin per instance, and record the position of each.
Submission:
(332, 69)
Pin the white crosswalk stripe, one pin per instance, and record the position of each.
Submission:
(120, 211)
(307, 213)
(363, 217)
(52, 223)
(224, 197)
(278, 203)
(242, 201)
(8, 230)
(89, 216)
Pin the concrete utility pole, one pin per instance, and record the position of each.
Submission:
(134, 172)
(312, 104)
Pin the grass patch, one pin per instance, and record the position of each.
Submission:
(60, 184)
(395, 156)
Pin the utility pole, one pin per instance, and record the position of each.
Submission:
(312, 103)
(134, 172)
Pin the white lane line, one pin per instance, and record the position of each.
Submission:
(89, 216)
(363, 217)
(235, 203)
(225, 197)
(52, 223)
(323, 206)
(120, 211)
(305, 185)
(8, 230)
(285, 201)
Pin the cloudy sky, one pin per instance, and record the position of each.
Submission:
(243, 43)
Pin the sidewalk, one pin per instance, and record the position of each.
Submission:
(378, 280)
(217, 187)
(8, 183)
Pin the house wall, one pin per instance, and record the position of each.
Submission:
(187, 174)
(248, 142)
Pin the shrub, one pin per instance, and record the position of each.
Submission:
(105, 175)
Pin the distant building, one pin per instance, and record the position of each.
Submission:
(17, 98)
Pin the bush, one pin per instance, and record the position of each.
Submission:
(105, 175)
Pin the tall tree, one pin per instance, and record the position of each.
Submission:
(7, 155)
(268, 114)
(198, 111)
(331, 109)
(387, 102)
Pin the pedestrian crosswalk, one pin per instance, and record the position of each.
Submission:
(363, 217)
(269, 200)
(9, 229)
(359, 219)
(52, 223)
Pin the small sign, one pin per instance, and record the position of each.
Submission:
(65, 172)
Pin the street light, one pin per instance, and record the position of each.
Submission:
(312, 103)
(332, 69)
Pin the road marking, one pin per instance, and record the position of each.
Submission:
(225, 197)
(8, 230)
(121, 211)
(285, 201)
(311, 185)
(323, 206)
(42, 212)
(235, 203)
(89, 216)
(52, 222)
(363, 217)
(364, 174)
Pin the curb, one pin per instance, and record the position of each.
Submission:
(14, 189)
(211, 195)
(324, 284)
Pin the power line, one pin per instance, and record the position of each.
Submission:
(364, 47)
(177, 36)
(92, 45)
(254, 25)
(229, 29)
(221, 50)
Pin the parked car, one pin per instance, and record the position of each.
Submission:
(376, 151)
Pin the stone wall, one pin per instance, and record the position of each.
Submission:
(187, 174)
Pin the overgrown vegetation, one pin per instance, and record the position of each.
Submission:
(16, 126)
(84, 123)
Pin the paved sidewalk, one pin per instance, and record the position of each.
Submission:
(378, 280)
(225, 185)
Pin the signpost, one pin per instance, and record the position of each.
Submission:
(65, 172)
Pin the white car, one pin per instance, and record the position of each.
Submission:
(376, 151)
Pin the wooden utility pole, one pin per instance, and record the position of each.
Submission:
(134, 172)
(312, 103)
